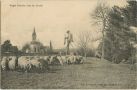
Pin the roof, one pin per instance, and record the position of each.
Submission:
(34, 33)
(36, 42)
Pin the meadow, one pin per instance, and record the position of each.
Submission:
(92, 74)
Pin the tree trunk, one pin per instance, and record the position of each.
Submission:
(102, 56)
(85, 54)
(103, 41)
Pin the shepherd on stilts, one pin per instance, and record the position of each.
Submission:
(67, 41)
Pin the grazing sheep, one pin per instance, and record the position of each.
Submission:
(12, 63)
(62, 59)
(4, 63)
(82, 59)
(44, 64)
(36, 64)
(71, 59)
(54, 60)
(47, 58)
(97, 54)
(36, 57)
(24, 64)
(30, 57)
(79, 59)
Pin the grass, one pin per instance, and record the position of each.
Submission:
(93, 74)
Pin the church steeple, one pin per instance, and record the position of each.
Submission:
(34, 35)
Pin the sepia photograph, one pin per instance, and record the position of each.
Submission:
(68, 44)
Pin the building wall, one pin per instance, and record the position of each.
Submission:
(35, 48)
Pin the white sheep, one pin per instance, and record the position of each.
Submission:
(36, 64)
(62, 59)
(54, 60)
(44, 64)
(71, 59)
(79, 59)
(12, 63)
(47, 58)
(4, 63)
(24, 64)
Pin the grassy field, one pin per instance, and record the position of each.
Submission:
(93, 74)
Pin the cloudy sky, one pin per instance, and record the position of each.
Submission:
(51, 19)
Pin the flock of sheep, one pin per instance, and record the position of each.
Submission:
(28, 63)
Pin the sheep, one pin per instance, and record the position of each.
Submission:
(97, 54)
(4, 63)
(30, 57)
(54, 60)
(71, 59)
(44, 64)
(79, 59)
(47, 58)
(36, 57)
(24, 64)
(36, 64)
(62, 59)
(13, 63)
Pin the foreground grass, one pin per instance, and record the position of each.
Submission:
(90, 75)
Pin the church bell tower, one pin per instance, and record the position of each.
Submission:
(34, 35)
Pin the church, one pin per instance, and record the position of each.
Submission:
(36, 46)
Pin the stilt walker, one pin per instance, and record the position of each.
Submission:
(67, 41)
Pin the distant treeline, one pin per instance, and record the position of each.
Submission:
(7, 49)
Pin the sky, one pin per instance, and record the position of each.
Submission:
(51, 19)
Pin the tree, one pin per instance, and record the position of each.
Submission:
(51, 47)
(101, 17)
(131, 9)
(83, 42)
(7, 47)
(118, 34)
(14, 49)
(26, 47)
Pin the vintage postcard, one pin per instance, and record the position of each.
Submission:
(68, 44)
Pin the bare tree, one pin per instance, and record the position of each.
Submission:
(100, 16)
(83, 42)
